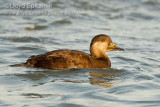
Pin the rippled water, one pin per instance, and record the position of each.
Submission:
(133, 80)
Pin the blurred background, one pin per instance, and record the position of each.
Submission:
(133, 79)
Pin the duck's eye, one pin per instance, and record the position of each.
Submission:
(103, 40)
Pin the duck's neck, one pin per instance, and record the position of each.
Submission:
(95, 53)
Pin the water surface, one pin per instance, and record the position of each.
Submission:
(133, 79)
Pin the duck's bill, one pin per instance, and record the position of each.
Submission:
(114, 47)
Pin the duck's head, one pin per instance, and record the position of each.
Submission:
(102, 43)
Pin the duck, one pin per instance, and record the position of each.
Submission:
(67, 59)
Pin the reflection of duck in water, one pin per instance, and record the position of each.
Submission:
(103, 80)
(99, 78)
(65, 59)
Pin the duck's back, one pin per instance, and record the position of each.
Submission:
(61, 59)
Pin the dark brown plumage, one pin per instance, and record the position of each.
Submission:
(65, 59)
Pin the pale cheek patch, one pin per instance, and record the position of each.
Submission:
(103, 46)
(100, 46)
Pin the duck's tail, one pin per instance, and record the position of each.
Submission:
(18, 65)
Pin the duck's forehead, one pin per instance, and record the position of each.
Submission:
(109, 39)
(101, 38)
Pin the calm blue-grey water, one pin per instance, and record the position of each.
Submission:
(132, 81)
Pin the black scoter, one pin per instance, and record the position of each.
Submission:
(65, 59)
